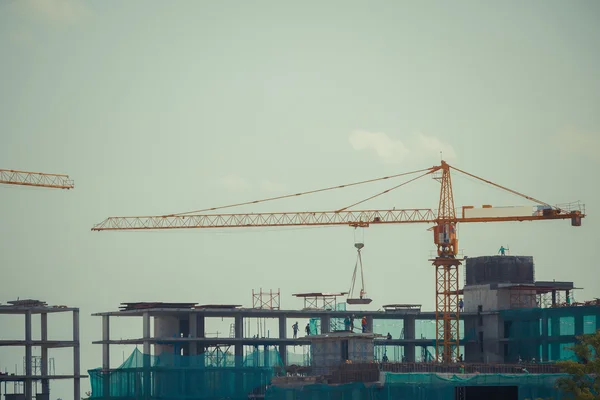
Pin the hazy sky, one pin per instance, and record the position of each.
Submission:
(159, 107)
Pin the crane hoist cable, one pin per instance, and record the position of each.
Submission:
(361, 299)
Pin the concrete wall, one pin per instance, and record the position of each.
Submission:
(475, 295)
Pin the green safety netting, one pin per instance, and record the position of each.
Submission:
(422, 387)
(546, 333)
(170, 376)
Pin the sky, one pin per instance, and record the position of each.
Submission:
(163, 107)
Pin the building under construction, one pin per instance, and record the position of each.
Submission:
(34, 381)
(512, 330)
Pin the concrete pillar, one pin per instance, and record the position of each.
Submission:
(239, 334)
(105, 356)
(200, 332)
(44, 336)
(554, 297)
(545, 356)
(370, 324)
(409, 333)
(76, 357)
(147, 353)
(283, 335)
(325, 324)
(28, 371)
(193, 318)
(266, 356)
(555, 333)
(146, 333)
(578, 325)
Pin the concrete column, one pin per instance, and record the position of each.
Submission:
(370, 324)
(200, 332)
(105, 356)
(325, 324)
(578, 325)
(266, 356)
(193, 318)
(239, 334)
(146, 333)
(555, 333)
(409, 333)
(545, 356)
(76, 357)
(28, 371)
(147, 354)
(283, 335)
(200, 326)
(44, 335)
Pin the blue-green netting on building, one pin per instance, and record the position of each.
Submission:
(205, 377)
(546, 334)
(170, 376)
(421, 387)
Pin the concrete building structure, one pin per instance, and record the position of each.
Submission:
(498, 290)
(332, 349)
(29, 308)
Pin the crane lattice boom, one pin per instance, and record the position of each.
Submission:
(37, 179)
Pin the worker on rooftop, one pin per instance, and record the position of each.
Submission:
(308, 329)
(295, 328)
(364, 324)
(502, 250)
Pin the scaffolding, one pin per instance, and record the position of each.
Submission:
(320, 301)
(266, 300)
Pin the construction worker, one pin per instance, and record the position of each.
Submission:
(308, 329)
(461, 304)
(352, 323)
(362, 293)
(389, 336)
(347, 324)
(295, 328)
(384, 358)
(364, 324)
(502, 250)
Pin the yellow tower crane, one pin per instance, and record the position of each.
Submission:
(444, 219)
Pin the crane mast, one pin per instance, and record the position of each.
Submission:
(446, 272)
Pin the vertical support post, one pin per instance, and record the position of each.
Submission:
(44, 336)
(578, 324)
(28, 346)
(283, 335)
(76, 356)
(239, 334)
(193, 318)
(105, 357)
(409, 334)
(146, 333)
(325, 324)
(545, 356)
(147, 354)
(555, 333)
(370, 324)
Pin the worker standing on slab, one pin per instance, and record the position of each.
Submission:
(308, 329)
(364, 324)
(295, 328)
(502, 250)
